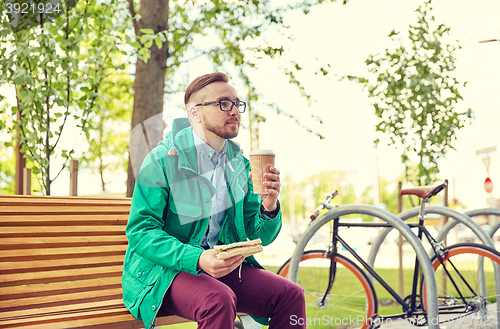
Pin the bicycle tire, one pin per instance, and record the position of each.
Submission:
(483, 307)
(358, 296)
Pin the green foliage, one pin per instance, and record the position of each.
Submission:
(291, 192)
(7, 169)
(416, 95)
(109, 122)
(108, 145)
(310, 192)
(390, 196)
(57, 69)
(327, 181)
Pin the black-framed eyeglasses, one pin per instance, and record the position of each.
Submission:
(226, 105)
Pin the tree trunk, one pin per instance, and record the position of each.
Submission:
(20, 159)
(48, 181)
(149, 84)
(100, 128)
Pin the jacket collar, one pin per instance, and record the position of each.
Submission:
(181, 140)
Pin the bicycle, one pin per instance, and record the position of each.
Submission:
(341, 291)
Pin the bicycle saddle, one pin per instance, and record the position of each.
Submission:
(424, 191)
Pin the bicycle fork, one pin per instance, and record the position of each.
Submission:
(333, 264)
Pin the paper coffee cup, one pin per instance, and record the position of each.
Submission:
(261, 162)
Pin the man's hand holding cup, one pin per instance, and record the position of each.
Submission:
(265, 177)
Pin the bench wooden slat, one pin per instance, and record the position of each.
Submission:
(60, 253)
(162, 320)
(61, 202)
(60, 264)
(69, 210)
(58, 288)
(43, 200)
(109, 320)
(116, 303)
(63, 220)
(16, 232)
(57, 276)
(60, 299)
(57, 242)
(69, 310)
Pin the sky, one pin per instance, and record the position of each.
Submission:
(344, 36)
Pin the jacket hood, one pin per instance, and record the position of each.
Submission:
(178, 125)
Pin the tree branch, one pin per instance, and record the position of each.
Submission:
(133, 14)
(203, 53)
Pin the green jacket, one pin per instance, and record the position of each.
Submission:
(169, 217)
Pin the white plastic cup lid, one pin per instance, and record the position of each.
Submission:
(262, 152)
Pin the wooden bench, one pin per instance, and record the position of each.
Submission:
(61, 264)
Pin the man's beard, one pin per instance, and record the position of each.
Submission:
(225, 131)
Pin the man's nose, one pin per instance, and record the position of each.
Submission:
(234, 111)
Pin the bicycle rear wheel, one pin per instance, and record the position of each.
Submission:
(352, 301)
(467, 295)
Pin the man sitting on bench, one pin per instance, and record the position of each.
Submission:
(193, 192)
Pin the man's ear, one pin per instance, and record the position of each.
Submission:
(193, 112)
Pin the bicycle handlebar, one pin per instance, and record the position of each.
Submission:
(329, 198)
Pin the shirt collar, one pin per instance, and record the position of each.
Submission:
(205, 149)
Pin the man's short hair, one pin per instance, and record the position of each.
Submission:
(203, 81)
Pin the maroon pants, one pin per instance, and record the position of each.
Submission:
(213, 303)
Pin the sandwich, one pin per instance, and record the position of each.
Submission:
(246, 248)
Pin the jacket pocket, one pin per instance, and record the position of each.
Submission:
(183, 219)
(187, 212)
(139, 277)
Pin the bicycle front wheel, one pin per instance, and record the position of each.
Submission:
(467, 286)
(352, 300)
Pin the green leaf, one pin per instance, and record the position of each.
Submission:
(158, 42)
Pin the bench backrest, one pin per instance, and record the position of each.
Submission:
(52, 251)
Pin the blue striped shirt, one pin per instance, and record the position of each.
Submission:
(211, 164)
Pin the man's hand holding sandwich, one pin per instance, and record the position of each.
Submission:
(224, 259)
